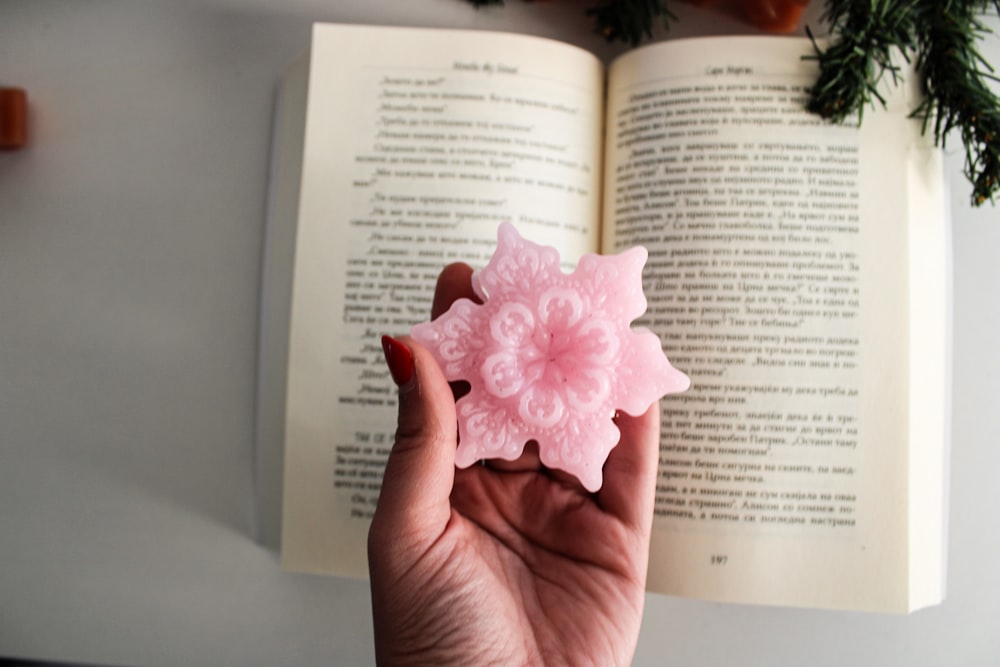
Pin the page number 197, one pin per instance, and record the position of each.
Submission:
(718, 559)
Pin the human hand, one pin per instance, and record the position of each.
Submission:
(508, 563)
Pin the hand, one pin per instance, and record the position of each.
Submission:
(508, 563)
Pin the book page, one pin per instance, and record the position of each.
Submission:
(418, 144)
(778, 278)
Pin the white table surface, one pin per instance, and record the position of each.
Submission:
(130, 240)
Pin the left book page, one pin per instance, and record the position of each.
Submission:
(417, 144)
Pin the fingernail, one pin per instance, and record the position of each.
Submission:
(398, 359)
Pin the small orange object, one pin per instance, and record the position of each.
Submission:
(775, 15)
(769, 15)
(13, 118)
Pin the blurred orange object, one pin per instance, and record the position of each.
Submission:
(769, 15)
(13, 118)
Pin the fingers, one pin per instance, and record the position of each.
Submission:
(454, 283)
(630, 471)
(420, 471)
(528, 461)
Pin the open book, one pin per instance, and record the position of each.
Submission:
(798, 272)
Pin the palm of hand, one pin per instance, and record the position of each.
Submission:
(507, 564)
(531, 571)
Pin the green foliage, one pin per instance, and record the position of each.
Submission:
(942, 35)
(955, 77)
(868, 36)
(629, 20)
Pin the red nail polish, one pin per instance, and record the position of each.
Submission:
(399, 360)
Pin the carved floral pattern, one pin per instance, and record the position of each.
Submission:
(550, 356)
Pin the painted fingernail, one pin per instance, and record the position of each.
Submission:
(398, 359)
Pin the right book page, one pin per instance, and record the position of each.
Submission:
(798, 273)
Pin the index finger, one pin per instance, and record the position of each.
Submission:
(454, 283)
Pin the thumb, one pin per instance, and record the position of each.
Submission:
(420, 471)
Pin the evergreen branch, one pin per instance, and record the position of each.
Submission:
(869, 33)
(629, 20)
(954, 76)
(943, 34)
(625, 20)
(870, 37)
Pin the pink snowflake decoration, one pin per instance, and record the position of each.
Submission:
(550, 356)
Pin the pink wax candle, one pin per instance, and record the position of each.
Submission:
(550, 356)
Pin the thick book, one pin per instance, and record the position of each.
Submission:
(798, 272)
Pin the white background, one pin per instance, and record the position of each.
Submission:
(130, 241)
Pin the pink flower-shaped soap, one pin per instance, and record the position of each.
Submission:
(550, 356)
